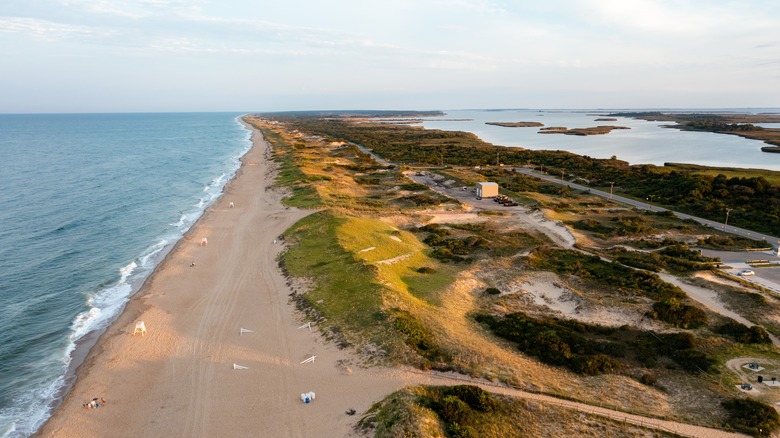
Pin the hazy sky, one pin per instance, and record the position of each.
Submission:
(244, 55)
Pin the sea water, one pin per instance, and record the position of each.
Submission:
(88, 205)
(644, 143)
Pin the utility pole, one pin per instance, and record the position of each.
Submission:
(611, 184)
(725, 224)
(498, 162)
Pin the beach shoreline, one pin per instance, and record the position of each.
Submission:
(87, 348)
(195, 373)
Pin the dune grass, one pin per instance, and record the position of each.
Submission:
(344, 290)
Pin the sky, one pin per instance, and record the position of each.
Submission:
(259, 55)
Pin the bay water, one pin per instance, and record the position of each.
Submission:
(89, 203)
(644, 143)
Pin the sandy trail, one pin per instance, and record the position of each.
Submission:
(709, 298)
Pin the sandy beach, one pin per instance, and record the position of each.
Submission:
(179, 379)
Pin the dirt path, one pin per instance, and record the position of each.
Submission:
(709, 298)
(682, 429)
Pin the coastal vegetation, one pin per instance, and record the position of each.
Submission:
(465, 411)
(403, 274)
(752, 197)
(596, 130)
(516, 124)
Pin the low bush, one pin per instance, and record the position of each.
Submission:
(752, 416)
(492, 291)
(591, 349)
(648, 379)
(595, 364)
(452, 409)
(417, 336)
(474, 396)
(414, 187)
(744, 334)
(681, 315)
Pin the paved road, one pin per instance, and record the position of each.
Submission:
(771, 240)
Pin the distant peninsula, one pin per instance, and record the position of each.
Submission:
(606, 119)
(516, 124)
(596, 130)
(741, 125)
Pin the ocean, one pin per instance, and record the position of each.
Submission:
(644, 143)
(89, 205)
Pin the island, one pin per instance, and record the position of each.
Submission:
(606, 119)
(596, 130)
(742, 125)
(516, 124)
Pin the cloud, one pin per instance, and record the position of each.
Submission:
(48, 30)
(133, 9)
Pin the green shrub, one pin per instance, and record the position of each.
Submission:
(414, 187)
(595, 365)
(492, 291)
(417, 336)
(591, 349)
(648, 379)
(752, 416)
(456, 430)
(474, 396)
(426, 270)
(646, 263)
(452, 409)
(693, 361)
(681, 315)
(744, 334)
(422, 200)
(592, 225)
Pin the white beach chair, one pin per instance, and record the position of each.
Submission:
(140, 327)
(204, 241)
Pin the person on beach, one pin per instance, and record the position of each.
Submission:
(192, 265)
(93, 403)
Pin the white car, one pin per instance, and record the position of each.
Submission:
(746, 273)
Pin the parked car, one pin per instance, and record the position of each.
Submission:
(746, 273)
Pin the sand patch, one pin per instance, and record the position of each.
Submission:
(552, 295)
(394, 259)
